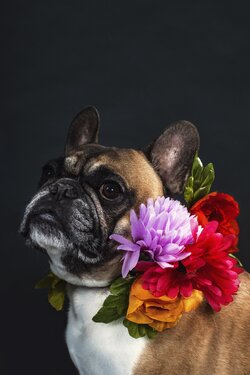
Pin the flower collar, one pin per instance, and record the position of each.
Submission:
(177, 257)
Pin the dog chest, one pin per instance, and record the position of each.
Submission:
(98, 348)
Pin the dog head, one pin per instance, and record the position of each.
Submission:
(87, 194)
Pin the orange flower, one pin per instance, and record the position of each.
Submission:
(219, 207)
(158, 312)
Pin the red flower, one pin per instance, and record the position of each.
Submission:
(214, 272)
(209, 268)
(222, 208)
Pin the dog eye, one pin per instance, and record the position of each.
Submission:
(47, 173)
(110, 190)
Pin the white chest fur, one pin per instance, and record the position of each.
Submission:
(98, 348)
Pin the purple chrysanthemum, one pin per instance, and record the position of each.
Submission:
(162, 230)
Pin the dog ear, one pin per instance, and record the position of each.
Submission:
(83, 129)
(172, 154)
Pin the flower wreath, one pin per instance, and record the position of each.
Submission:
(177, 257)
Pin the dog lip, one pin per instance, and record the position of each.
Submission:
(47, 216)
(43, 215)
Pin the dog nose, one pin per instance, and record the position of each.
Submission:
(61, 191)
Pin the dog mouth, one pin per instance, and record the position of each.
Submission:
(73, 233)
(42, 218)
(47, 216)
(75, 227)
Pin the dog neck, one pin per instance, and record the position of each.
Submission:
(94, 347)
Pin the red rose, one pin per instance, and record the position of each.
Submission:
(221, 208)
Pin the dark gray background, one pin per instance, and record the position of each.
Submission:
(143, 64)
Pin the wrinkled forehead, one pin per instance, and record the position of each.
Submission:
(131, 165)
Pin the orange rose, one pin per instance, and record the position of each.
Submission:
(158, 312)
(220, 207)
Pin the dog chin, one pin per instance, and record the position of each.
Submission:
(83, 280)
(49, 241)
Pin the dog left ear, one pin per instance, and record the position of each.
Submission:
(83, 129)
(172, 154)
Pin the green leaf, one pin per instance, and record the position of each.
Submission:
(57, 290)
(197, 168)
(45, 282)
(106, 315)
(150, 332)
(121, 286)
(234, 257)
(56, 296)
(208, 175)
(142, 330)
(201, 192)
(199, 182)
(116, 304)
(208, 169)
(133, 329)
(139, 330)
(189, 192)
(111, 301)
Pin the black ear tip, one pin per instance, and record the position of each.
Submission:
(172, 154)
(90, 111)
(83, 129)
(188, 129)
(91, 108)
(185, 124)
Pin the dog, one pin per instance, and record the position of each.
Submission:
(86, 195)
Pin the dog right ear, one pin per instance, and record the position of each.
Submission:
(172, 154)
(83, 129)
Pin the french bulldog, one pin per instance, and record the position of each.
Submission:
(86, 195)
